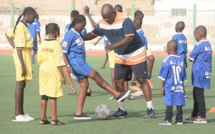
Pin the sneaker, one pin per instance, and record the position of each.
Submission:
(123, 95)
(186, 97)
(130, 98)
(150, 113)
(20, 118)
(134, 87)
(112, 98)
(27, 116)
(179, 122)
(82, 117)
(138, 93)
(165, 122)
(200, 120)
(190, 118)
(120, 114)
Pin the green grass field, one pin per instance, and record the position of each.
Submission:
(134, 124)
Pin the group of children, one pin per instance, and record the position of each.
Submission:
(57, 59)
(173, 75)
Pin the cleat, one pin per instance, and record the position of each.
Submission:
(165, 122)
(82, 117)
(120, 114)
(150, 113)
(200, 120)
(20, 118)
(179, 122)
(190, 119)
(130, 98)
(112, 98)
(134, 87)
(27, 116)
(138, 93)
(123, 95)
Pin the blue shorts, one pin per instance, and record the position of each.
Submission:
(80, 68)
(184, 57)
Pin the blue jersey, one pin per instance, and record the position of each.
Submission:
(38, 25)
(143, 37)
(73, 45)
(84, 31)
(174, 74)
(33, 30)
(182, 43)
(106, 41)
(201, 56)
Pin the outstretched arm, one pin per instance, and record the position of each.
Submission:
(97, 41)
(89, 36)
(87, 13)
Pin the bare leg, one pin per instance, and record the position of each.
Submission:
(146, 89)
(151, 60)
(106, 59)
(112, 78)
(19, 97)
(126, 85)
(43, 109)
(120, 85)
(22, 99)
(82, 95)
(53, 105)
(102, 83)
(134, 79)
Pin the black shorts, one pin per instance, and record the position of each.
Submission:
(125, 71)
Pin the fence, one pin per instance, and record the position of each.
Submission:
(158, 26)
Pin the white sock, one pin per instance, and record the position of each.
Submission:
(149, 104)
(122, 106)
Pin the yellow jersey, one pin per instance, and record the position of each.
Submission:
(22, 39)
(50, 57)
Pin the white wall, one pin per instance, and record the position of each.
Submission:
(188, 4)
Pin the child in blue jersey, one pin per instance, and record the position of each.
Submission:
(38, 28)
(182, 44)
(72, 90)
(181, 40)
(137, 25)
(33, 28)
(75, 59)
(106, 41)
(72, 16)
(173, 76)
(201, 56)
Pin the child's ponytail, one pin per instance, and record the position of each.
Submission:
(26, 10)
(77, 19)
(20, 16)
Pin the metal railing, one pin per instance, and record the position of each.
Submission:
(158, 26)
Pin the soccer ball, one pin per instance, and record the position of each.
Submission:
(103, 112)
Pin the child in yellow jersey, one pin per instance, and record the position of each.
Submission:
(50, 59)
(22, 44)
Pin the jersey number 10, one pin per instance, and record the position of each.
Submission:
(176, 72)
